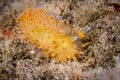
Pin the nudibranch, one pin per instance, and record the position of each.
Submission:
(49, 34)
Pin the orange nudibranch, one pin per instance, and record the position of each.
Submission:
(42, 29)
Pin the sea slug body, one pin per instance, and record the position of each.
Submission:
(49, 34)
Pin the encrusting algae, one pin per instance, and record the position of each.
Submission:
(46, 32)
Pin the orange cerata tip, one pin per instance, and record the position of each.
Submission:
(67, 22)
(81, 52)
(84, 45)
(81, 34)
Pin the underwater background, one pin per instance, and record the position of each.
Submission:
(99, 50)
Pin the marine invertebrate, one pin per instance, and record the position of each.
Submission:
(53, 36)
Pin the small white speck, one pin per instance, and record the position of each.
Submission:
(32, 52)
